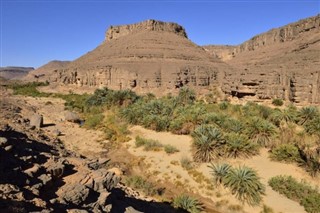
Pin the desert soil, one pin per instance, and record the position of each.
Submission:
(166, 168)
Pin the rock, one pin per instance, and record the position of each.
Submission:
(75, 193)
(45, 179)
(36, 121)
(72, 117)
(77, 211)
(8, 148)
(3, 142)
(130, 209)
(56, 169)
(101, 180)
(103, 198)
(56, 132)
(33, 170)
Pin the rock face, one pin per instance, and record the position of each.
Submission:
(281, 63)
(150, 56)
(115, 32)
(45, 72)
(157, 57)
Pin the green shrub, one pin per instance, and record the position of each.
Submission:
(170, 149)
(94, 120)
(140, 183)
(188, 204)
(238, 145)
(285, 153)
(301, 192)
(148, 144)
(277, 102)
(29, 89)
(243, 182)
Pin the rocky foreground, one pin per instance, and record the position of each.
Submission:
(37, 173)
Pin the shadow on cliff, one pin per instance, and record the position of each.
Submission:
(120, 201)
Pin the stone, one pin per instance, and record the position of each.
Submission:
(100, 180)
(33, 170)
(36, 121)
(72, 117)
(56, 169)
(3, 142)
(75, 193)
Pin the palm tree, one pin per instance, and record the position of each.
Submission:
(207, 143)
(307, 113)
(188, 203)
(186, 96)
(260, 131)
(313, 127)
(238, 145)
(245, 184)
(219, 172)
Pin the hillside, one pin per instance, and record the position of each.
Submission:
(14, 72)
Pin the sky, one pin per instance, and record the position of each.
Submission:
(34, 32)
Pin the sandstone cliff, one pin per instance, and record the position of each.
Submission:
(281, 63)
(150, 56)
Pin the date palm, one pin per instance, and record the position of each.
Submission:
(207, 142)
(260, 131)
(245, 184)
(238, 145)
(219, 172)
(307, 113)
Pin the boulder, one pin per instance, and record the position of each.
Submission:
(36, 121)
(75, 193)
(72, 117)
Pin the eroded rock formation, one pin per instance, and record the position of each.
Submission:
(150, 56)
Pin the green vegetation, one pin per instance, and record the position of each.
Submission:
(301, 192)
(143, 185)
(29, 89)
(208, 142)
(243, 182)
(286, 153)
(148, 144)
(219, 130)
(188, 204)
(277, 102)
(169, 149)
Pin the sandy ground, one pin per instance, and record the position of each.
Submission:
(83, 141)
(161, 165)
(166, 167)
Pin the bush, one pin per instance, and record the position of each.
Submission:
(277, 102)
(170, 149)
(29, 89)
(243, 182)
(140, 183)
(285, 153)
(301, 192)
(148, 144)
(187, 203)
(93, 120)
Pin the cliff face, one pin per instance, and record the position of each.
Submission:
(280, 35)
(282, 63)
(150, 56)
(115, 32)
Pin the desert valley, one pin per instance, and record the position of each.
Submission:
(149, 121)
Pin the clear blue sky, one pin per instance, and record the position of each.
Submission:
(35, 32)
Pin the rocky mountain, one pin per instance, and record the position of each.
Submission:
(14, 72)
(154, 56)
(281, 63)
(45, 72)
(150, 56)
